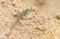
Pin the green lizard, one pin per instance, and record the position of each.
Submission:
(18, 16)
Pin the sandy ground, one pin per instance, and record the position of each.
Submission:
(42, 23)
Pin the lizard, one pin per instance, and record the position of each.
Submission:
(18, 16)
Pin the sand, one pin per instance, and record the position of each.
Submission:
(42, 23)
